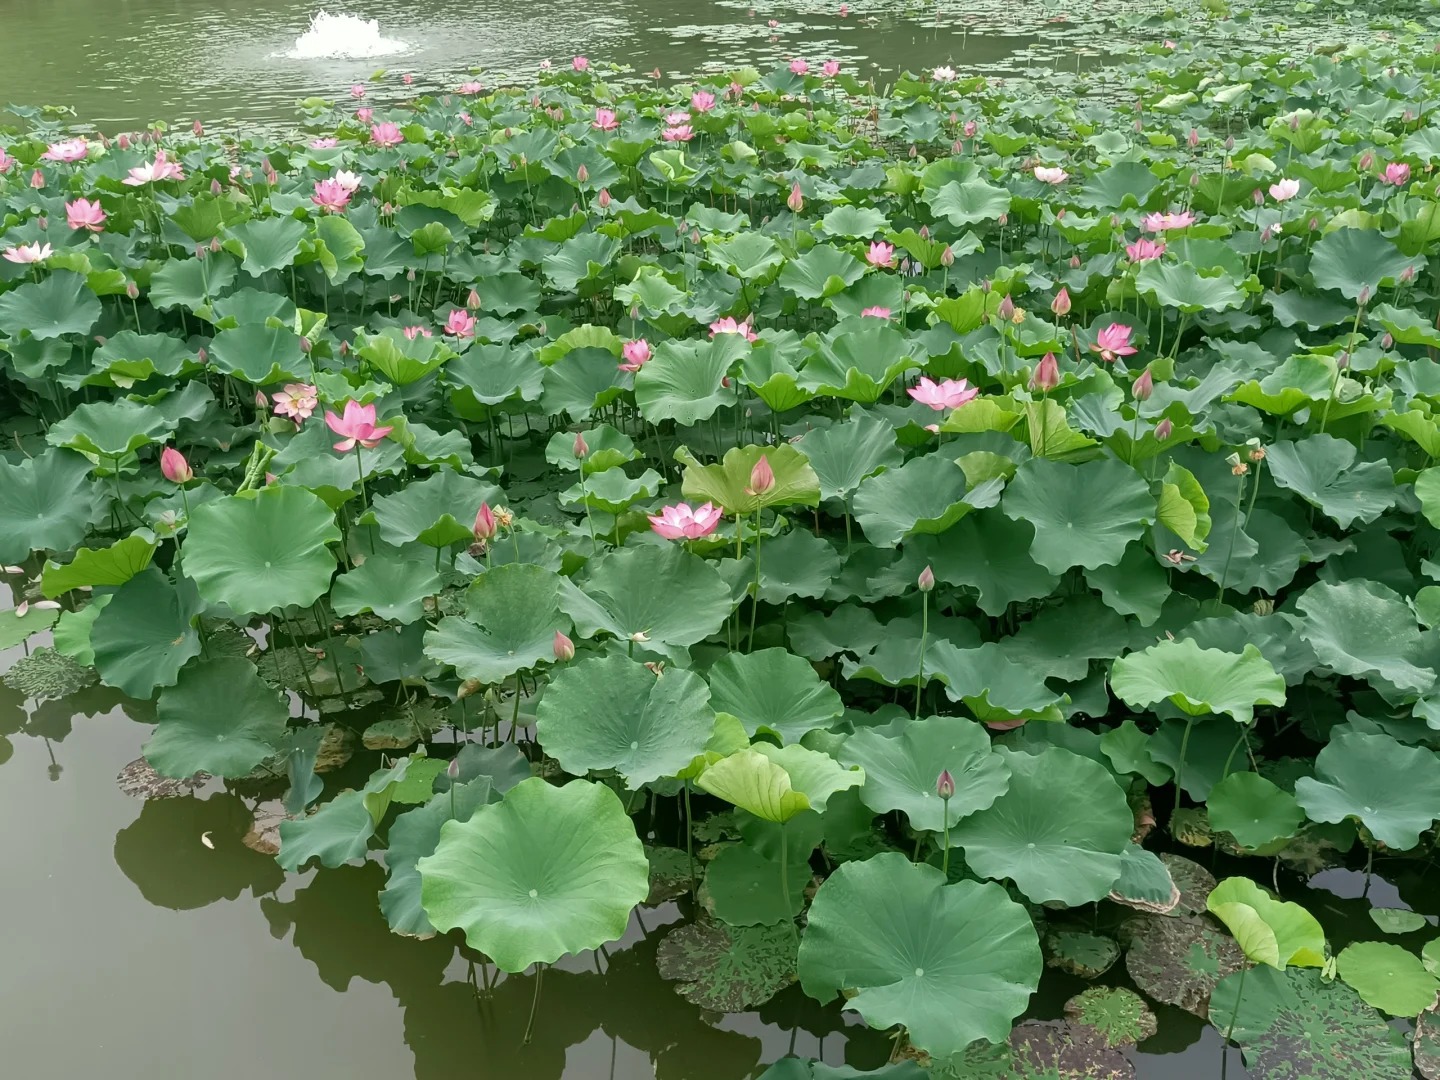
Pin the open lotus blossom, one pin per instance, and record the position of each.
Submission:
(1143, 250)
(472, 87)
(6, 161)
(357, 91)
(28, 253)
(830, 68)
(680, 116)
(324, 144)
(875, 313)
(386, 134)
(365, 115)
(67, 150)
(413, 332)
(298, 401)
(85, 214)
(1284, 190)
(728, 325)
(636, 354)
(681, 133)
(580, 63)
(946, 394)
(702, 101)
(154, 171)
(680, 522)
(605, 120)
(880, 254)
(1114, 341)
(943, 74)
(331, 196)
(348, 180)
(1051, 175)
(1397, 173)
(356, 427)
(799, 66)
(1157, 223)
(460, 323)
(176, 469)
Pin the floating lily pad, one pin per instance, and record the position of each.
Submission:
(775, 691)
(140, 780)
(1041, 1050)
(1120, 1016)
(1389, 977)
(1080, 953)
(1398, 920)
(727, 969)
(220, 717)
(1178, 961)
(46, 674)
(1193, 880)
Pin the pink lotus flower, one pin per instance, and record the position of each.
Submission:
(880, 254)
(1047, 374)
(728, 325)
(297, 401)
(636, 354)
(605, 120)
(407, 78)
(1143, 250)
(875, 313)
(6, 161)
(1158, 223)
(357, 427)
(154, 171)
(943, 74)
(386, 134)
(679, 116)
(28, 253)
(364, 115)
(485, 526)
(679, 522)
(1114, 341)
(796, 200)
(324, 144)
(563, 647)
(412, 332)
(348, 180)
(176, 469)
(1050, 176)
(830, 68)
(580, 63)
(798, 66)
(946, 394)
(357, 91)
(1397, 173)
(85, 214)
(67, 150)
(331, 196)
(702, 101)
(1284, 190)
(471, 88)
(682, 133)
(460, 323)
(762, 477)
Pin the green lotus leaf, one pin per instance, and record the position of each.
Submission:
(1351, 260)
(1179, 285)
(683, 380)
(547, 872)
(991, 685)
(771, 370)
(59, 304)
(776, 783)
(861, 364)
(612, 491)
(799, 563)
(438, 511)
(220, 717)
(1183, 507)
(268, 243)
(337, 247)
(853, 221)
(340, 831)
(143, 636)
(72, 632)
(743, 887)
(1179, 960)
(111, 429)
(1322, 471)
(952, 963)
(510, 624)
(1391, 789)
(774, 691)
(901, 770)
(615, 713)
(1058, 831)
(727, 969)
(259, 354)
(113, 565)
(1280, 933)
(822, 271)
(489, 374)
(969, 202)
(1080, 953)
(1365, 629)
(1136, 585)
(46, 502)
(747, 255)
(1118, 1015)
(261, 551)
(393, 588)
(1145, 882)
(845, 454)
(925, 495)
(991, 553)
(404, 360)
(414, 835)
(607, 448)
(1083, 515)
(1253, 810)
(504, 766)
(725, 484)
(1198, 681)
(1389, 977)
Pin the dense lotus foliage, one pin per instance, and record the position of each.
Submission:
(900, 521)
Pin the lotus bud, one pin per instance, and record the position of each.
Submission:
(1163, 430)
(473, 301)
(1230, 144)
(410, 275)
(1074, 262)
(484, 527)
(582, 174)
(1195, 180)
(201, 250)
(1367, 160)
(1257, 197)
(215, 188)
(407, 78)
(1387, 342)
(957, 147)
(202, 356)
(123, 141)
(1139, 124)
(1046, 375)
(913, 151)
(1193, 138)
(796, 201)
(970, 129)
(603, 200)
(1060, 306)
(945, 785)
(1407, 275)
(924, 232)
(261, 401)
(564, 647)
(926, 581)
(1004, 220)
(1343, 360)
(947, 257)
(1143, 387)
(695, 236)
(214, 245)
(37, 180)
(1364, 297)
(452, 770)
(344, 348)
(132, 291)
(176, 469)
(1314, 223)
(305, 345)
(762, 477)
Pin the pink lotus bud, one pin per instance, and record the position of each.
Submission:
(1294, 121)
(452, 770)
(1387, 342)
(581, 447)
(1193, 138)
(1004, 220)
(1007, 308)
(1074, 262)
(1143, 387)
(796, 201)
(1047, 373)
(1342, 361)
(176, 469)
(484, 527)
(947, 257)
(1163, 430)
(1257, 197)
(407, 78)
(582, 174)
(926, 580)
(1407, 275)
(344, 348)
(970, 129)
(201, 355)
(564, 647)
(198, 128)
(1367, 159)
(214, 245)
(762, 477)
(603, 200)
(1364, 297)
(924, 232)
(261, 401)
(305, 345)
(945, 785)
(1230, 144)
(132, 291)
(215, 188)
(123, 141)
(957, 147)
(37, 180)
(1060, 306)
(473, 301)
(913, 151)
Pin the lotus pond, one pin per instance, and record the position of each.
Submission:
(748, 577)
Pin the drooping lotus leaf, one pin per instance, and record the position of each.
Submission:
(845, 454)
(340, 831)
(901, 769)
(437, 512)
(990, 553)
(1389, 977)
(1057, 832)
(59, 304)
(684, 381)
(725, 484)
(1351, 260)
(1322, 471)
(143, 636)
(1144, 882)
(546, 872)
(412, 836)
(1083, 515)
(113, 565)
(776, 783)
(393, 588)
(798, 563)
(953, 963)
(743, 886)
(261, 551)
(1280, 933)
(259, 354)
(727, 969)
(46, 502)
(1365, 629)
(1253, 810)
(510, 623)
(1080, 953)
(1392, 789)
(927, 494)
(110, 429)
(615, 713)
(775, 691)
(504, 766)
(1178, 961)
(1198, 681)
(220, 717)
(1118, 1015)
(822, 271)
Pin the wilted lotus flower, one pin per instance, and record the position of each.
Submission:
(356, 426)
(680, 522)
(174, 466)
(1113, 341)
(946, 394)
(563, 647)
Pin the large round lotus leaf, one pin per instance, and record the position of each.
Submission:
(1119, 1016)
(110, 429)
(436, 512)
(113, 565)
(1144, 882)
(545, 872)
(1198, 681)
(1057, 832)
(1350, 260)
(773, 690)
(991, 554)
(46, 502)
(143, 636)
(927, 494)
(1253, 810)
(1392, 789)
(798, 563)
(1083, 515)
(725, 484)
(727, 969)
(1365, 629)
(615, 713)
(685, 381)
(261, 552)
(1280, 933)
(341, 830)
(220, 718)
(822, 271)
(510, 624)
(776, 783)
(1389, 977)
(842, 455)
(504, 766)
(743, 887)
(259, 354)
(60, 304)
(953, 963)
(414, 835)
(1178, 961)
(393, 588)
(1322, 471)
(901, 769)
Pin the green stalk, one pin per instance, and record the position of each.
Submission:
(785, 877)
(924, 633)
(755, 600)
(945, 853)
(1230, 553)
(1180, 767)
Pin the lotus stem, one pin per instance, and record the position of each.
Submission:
(689, 829)
(1180, 768)
(785, 878)
(924, 633)
(1235, 1013)
(945, 851)
(364, 496)
(755, 600)
(534, 1002)
(1230, 551)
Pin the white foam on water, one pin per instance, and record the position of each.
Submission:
(342, 36)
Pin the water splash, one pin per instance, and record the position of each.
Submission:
(342, 36)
